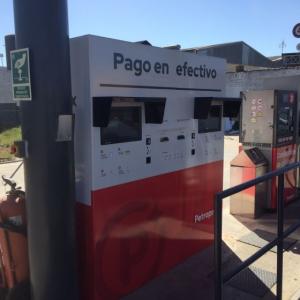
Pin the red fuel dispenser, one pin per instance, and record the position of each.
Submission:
(269, 123)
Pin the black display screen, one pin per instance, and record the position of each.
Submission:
(125, 125)
(286, 109)
(213, 121)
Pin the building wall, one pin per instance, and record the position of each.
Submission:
(262, 79)
(5, 86)
(232, 52)
(9, 111)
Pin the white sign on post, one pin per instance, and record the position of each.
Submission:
(20, 70)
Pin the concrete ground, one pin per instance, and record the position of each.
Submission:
(193, 279)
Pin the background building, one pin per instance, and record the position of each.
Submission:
(9, 112)
(239, 56)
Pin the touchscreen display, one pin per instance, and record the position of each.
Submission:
(125, 125)
(213, 122)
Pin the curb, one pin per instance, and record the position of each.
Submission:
(2, 162)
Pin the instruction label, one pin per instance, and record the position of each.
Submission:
(20, 70)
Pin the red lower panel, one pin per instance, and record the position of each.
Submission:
(86, 251)
(281, 157)
(143, 228)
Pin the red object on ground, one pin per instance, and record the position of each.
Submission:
(13, 245)
(13, 149)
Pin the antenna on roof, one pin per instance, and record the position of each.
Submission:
(282, 45)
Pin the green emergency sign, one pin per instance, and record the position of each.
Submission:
(20, 70)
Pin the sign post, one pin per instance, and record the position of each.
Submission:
(42, 27)
(21, 83)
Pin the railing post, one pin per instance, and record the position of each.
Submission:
(218, 248)
(280, 220)
(219, 278)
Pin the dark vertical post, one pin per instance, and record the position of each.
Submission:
(218, 248)
(10, 44)
(280, 220)
(42, 26)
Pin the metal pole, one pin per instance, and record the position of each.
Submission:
(218, 248)
(280, 220)
(42, 26)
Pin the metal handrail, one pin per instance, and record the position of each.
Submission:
(221, 279)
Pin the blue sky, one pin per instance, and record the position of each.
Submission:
(263, 24)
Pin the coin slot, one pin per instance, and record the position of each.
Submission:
(180, 137)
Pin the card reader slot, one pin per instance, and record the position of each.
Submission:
(180, 137)
(164, 139)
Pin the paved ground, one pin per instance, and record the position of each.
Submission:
(193, 279)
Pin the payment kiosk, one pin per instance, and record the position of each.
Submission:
(149, 159)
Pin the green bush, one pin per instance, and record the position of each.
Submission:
(7, 138)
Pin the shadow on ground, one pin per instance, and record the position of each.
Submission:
(194, 279)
